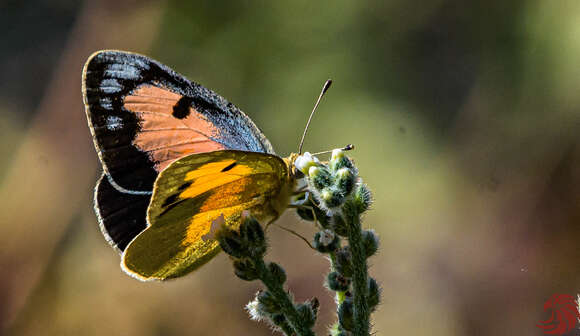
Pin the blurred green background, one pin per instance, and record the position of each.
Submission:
(466, 121)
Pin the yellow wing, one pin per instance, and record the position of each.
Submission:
(195, 192)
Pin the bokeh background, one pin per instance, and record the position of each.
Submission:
(466, 121)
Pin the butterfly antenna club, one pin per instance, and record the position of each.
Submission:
(325, 88)
(345, 148)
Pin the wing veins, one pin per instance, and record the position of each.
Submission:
(178, 144)
(172, 205)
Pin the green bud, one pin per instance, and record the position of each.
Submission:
(374, 294)
(370, 242)
(345, 315)
(278, 273)
(345, 180)
(307, 313)
(251, 231)
(331, 197)
(336, 154)
(305, 161)
(314, 305)
(337, 282)
(232, 243)
(319, 177)
(343, 261)
(341, 162)
(362, 198)
(245, 270)
(305, 213)
(326, 241)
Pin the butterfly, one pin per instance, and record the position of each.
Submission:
(178, 161)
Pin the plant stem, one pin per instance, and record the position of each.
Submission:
(340, 295)
(361, 312)
(286, 329)
(282, 298)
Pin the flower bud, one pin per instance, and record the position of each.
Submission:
(232, 243)
(337, 282)
(370, 242)
(362, 198)
(253, 236)
(341, 161)
(307, 313)
(331, 198)
(319, 177)
(374, 294)
(326, 241)
(345, 180)
(345, 315)
(305, 161)
(245, 270)
(305, 213)
(337, 154)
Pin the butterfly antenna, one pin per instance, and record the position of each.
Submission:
(345, 148)
(324, 89)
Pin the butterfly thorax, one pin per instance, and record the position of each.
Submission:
(280, 203)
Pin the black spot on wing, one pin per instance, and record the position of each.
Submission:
(229, 167)
(169, 200)
(184, 186)
(181, 108)
(173, 205)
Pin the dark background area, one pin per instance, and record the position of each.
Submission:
(466, 121)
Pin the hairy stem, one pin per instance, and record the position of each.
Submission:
(283, 299)
(286, 329)
(360, 278)
(340, 295)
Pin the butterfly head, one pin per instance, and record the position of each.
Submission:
(293, 171)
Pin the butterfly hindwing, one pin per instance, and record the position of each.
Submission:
(121, 216)
(192, 197)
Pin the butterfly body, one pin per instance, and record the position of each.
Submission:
(178, 161)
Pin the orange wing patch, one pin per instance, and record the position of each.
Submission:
(227, 203)
(169, 127)
(209, 176)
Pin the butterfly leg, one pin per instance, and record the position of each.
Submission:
(295, 234)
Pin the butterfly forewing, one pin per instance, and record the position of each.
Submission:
(193, 197)
(143, 115)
